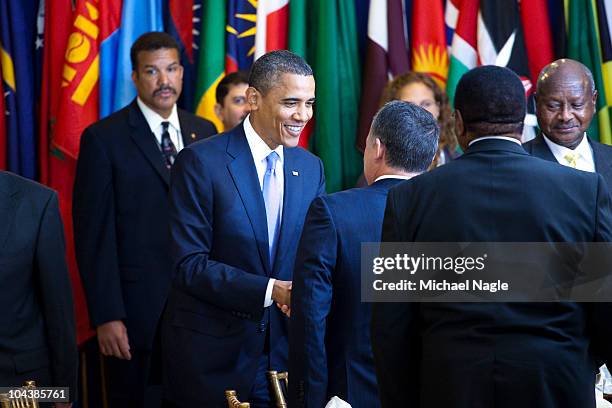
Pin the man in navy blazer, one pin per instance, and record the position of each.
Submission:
(120, 213)
(231, 263)
(37, 334)
(502, 355)
(329, 343)
(566, 101)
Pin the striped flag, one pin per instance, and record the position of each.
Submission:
(463, 55)
(382, 61)
(538, 36)
(272, 19)
(584, 46)
(429, 49)
(211, 63)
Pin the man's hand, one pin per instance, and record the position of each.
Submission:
(113, 340)
(281, 292)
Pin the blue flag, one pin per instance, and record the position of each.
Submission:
(240, 35)
(137, 17)
(17, 41)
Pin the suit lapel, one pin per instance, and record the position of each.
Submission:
(541, 150)
(187, 131)
(602, 165)
(244, 175)
(292, 201)
(145, 140)
(8, 205)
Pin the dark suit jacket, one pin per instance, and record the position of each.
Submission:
(215, 325)
(493, 354)
(37, 332)
(120, 213)
(602, 156)
(329, 343)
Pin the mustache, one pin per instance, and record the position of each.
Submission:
(164, 88)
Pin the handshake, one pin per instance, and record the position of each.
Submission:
(281, 295)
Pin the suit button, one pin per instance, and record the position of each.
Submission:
(261, 328)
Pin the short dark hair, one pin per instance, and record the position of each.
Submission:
(266, 71)
(235, 78)
(491, 100)
(151, 41)
(409, 133)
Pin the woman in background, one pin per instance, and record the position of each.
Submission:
(421, 90)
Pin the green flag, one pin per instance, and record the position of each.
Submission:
(584, 46)
(297, 27)
(211, 62)
(337, 72)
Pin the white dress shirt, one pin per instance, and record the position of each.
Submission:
(582, 152)
(155, 120)
(509, 139)
(259, 151)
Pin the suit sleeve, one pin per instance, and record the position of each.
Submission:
(93, 212)
(393, 330)
(191, 230)
(56, 295)
(310, 306)
(321, 190)
(600, 312)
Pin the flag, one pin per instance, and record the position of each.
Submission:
(78, 108)
(386, 54)
(2, 124)
(336, 68)
(451, 14)
(137, 18)
(272, 17)
(240, 35)
(584, 46)
(211, 60)
(463, 56)
(429, 48)
(17, 40)
(180, 22)
(538, 36)
(604, 12)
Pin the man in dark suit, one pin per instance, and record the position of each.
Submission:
(566, 100)
(492, 354)
(329, 343)
(238, 203)
(120, 213)
(37, 333)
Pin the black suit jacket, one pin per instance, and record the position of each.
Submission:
(493, 354)
(120, 213)
(602, 156)
(37, 332)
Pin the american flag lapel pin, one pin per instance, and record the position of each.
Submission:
(295, 173)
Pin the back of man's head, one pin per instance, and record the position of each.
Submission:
(151, 41)
(266, 71)
(409, 133)
(491, 101)
(232, 79)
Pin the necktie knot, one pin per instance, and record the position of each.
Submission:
(572, 159)
(271, 160)
(165, 126)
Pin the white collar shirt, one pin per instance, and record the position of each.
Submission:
(154, 120)
(583, 154)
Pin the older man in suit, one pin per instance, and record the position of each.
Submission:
(566, 100)
(329, 343)
(238, 203)
(37, 334)
(493, 354)
(120, 212)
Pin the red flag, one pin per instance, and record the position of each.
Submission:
(429, 49)
(386, 54)
(77, 107)
(538, 35)
(272, 21)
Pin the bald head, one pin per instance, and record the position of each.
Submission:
(565, 101)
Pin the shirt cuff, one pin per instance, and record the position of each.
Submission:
(268, 300)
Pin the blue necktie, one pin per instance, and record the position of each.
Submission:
(168, 149)
(272, 196)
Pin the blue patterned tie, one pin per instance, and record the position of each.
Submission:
(168, 149)
(272, 195)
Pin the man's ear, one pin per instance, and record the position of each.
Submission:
(380, 149)
(460, 130)
(218, 111)
(134, 76)
(253, 98)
